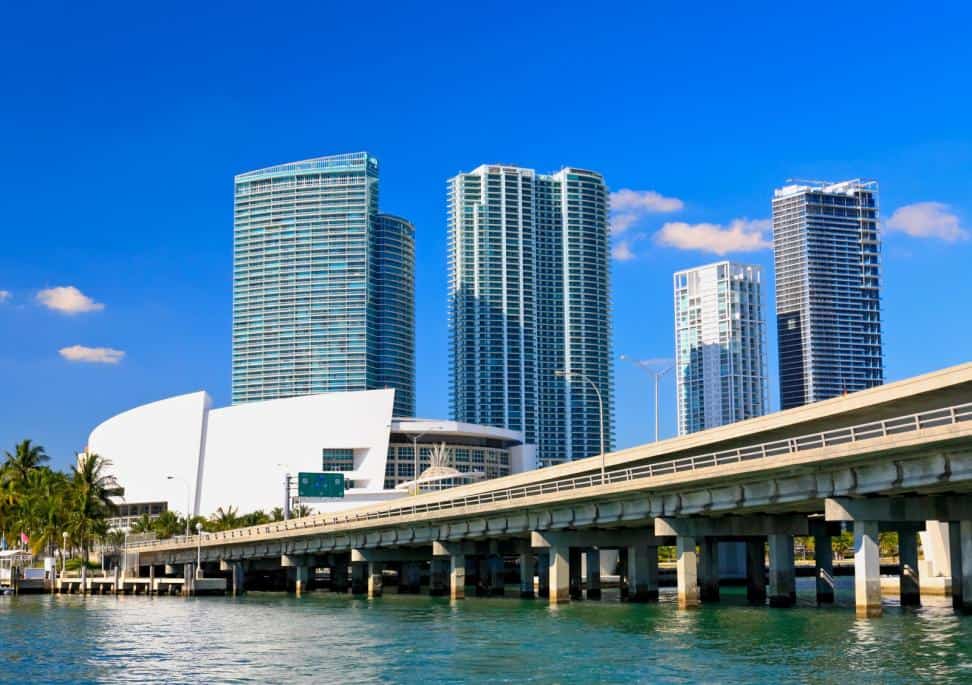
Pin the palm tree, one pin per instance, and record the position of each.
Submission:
(224, 519)
(167, 524)
(143, 524)
(25, 458)
(89, 503)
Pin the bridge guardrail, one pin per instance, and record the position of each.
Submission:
(875, 429)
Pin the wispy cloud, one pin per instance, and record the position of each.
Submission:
(5, 296)
(91, 355)
(622, 251)
(68, 300)
(741, 235)
(928, 220)
(629, 206)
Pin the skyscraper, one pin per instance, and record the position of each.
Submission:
(529, 295)
(720, 362)
(323, 289)
(828, 305)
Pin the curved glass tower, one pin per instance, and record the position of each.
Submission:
(310, 279)
(529, 295)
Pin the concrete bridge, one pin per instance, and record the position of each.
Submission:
(897, 458)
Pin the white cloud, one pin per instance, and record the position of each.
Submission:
(629, 206)
(928, 220)
(622, 251)
(741, 235)
(5, 296)
(68, 300)
(91, 355)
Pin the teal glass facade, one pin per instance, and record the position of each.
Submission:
(308, 282)
(530, 294)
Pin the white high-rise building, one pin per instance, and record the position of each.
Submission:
(720, 360)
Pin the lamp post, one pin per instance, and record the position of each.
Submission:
(560, 373)
(64, 537)
(656, 375)
(198, 549)
(188, 511)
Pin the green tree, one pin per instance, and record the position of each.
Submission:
(88, 502)
(167, 524)
(25, 458)
(143, 524)
(224, 519)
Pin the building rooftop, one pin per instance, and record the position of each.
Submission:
(797, 186)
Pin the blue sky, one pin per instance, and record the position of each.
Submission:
(122, 125)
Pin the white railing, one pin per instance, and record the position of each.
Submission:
(766, 450)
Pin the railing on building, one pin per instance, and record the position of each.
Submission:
(767, 450)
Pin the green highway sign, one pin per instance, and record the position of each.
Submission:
(320, 484)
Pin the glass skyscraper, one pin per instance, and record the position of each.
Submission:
(720, 359)
(529, 295)
(323, 285)
(828, 304)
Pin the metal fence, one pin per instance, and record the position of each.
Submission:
(767, 450)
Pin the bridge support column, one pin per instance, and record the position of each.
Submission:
(376, 577)
(495, 580)
(575, 562)
(909, 589)
(867, 569)
(339, 576)
(559, 572)
(593, 574)
(623, 574)
(359, 578)
(709, 569)
(410, 578)
(151, 585)
(782, 577)
(543, 575)
(301, 579)
(642, 573)
(457, 576)
(438, 577)
(527, 571)
(476, 572)
(960, 553)
(687, 570)
(823, 565)
(756, 570)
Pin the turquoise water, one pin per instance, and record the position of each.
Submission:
(407, 639)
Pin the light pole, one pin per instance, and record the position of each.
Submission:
(287, 476)
(64, 537)
(656, 375)
(560, 373)
(198, 549)
(188, 512)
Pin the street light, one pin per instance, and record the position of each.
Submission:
(560, 373)
(64, 537)
(188, 514)
(644, 365)
(198, 549)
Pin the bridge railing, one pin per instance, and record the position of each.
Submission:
(767, 450)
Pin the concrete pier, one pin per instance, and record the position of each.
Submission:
(642, 573)
(756, 570)
(782, 574)
(910, 588)
(359, 578)
(823, 564)
(457, 576)
(687, 571)
(576, 567)
(376, 577)
(543, 575)
(867, 569)
(527, 573)
(709, 569)
(593, 574)
(559, 573)
(439, 577)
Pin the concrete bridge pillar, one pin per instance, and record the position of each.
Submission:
(687, 570)
(575, 561)
(823, 564)
(709, 569)
(339, 576)
(782, 576)
(410, 578)
(756, 570)
(909, 590)
(359, 578)
(301, 579)
(559, 572)
(495, 581)
(476, 574)
(593, 574)
(642, 573)
(151, 585)
(438, 577)
(867, 569)
(457, 576)
(960, 555)
(623, 575)
(527, 571)
(375, 578)
(543, 574)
